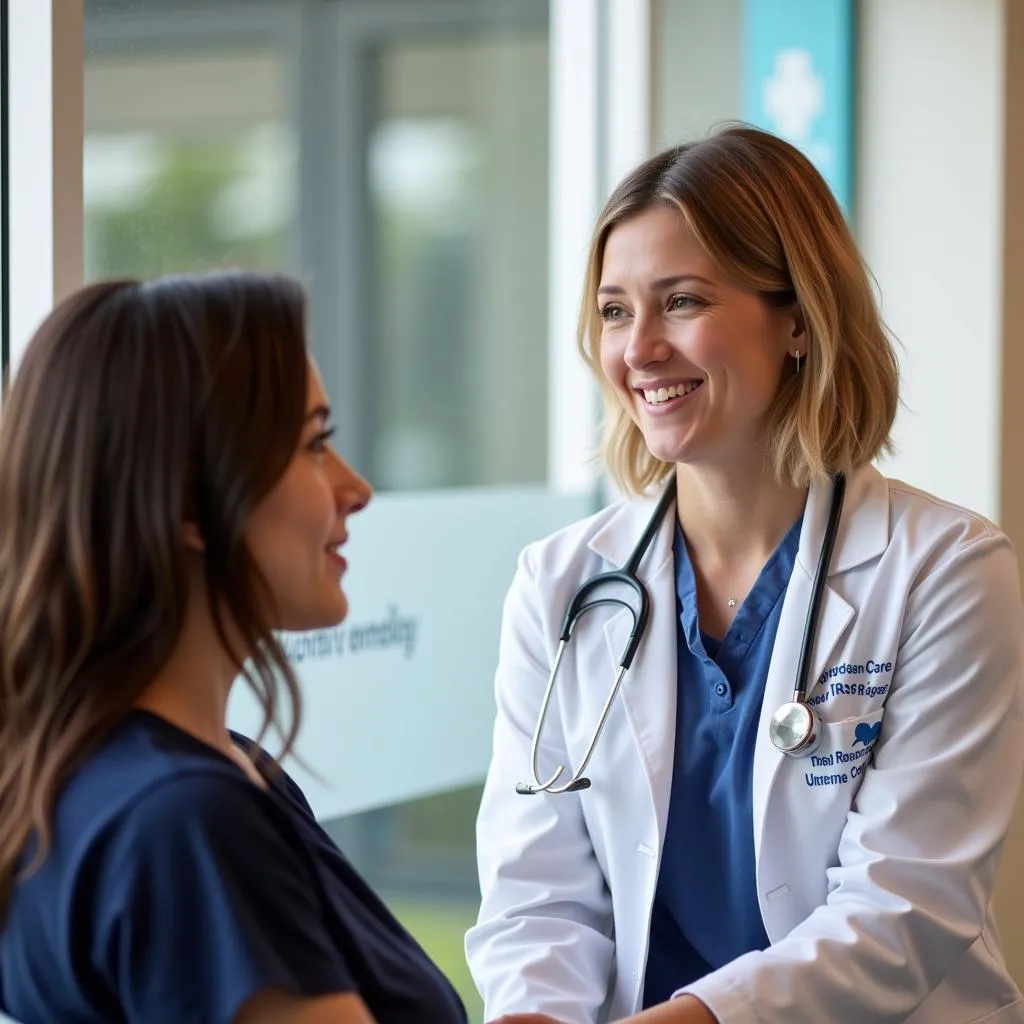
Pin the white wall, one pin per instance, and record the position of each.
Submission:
(940, 215)
(929, 219)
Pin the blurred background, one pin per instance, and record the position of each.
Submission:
(431, 170)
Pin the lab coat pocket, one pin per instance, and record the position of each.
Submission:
(822, 787)
(844, 753)
(809, 808)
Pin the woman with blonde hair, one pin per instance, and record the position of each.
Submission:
(801, 784)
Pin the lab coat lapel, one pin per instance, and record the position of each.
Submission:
(649, 690)
(834, 616)
(863, 535)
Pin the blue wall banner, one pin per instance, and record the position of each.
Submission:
(798, 58)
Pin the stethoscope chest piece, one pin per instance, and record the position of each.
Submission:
(795, 729)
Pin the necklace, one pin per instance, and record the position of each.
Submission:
(731, 603)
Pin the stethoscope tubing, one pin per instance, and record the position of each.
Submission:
(628, 576)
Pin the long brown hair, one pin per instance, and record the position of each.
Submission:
(767, 218)
(136, 406)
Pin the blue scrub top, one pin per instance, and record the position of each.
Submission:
(176, 889)
(705, 911)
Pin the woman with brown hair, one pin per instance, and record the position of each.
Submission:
(169, 499)
(800, 788)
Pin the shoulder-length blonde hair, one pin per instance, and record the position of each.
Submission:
(768, 220)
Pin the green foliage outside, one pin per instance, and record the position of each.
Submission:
(175, 225)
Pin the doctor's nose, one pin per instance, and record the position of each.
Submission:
(647, 343)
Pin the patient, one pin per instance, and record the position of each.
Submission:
(169, 499)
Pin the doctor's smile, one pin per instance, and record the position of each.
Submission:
(662, 396)
(765, 643)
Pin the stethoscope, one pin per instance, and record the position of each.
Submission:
(795, 728)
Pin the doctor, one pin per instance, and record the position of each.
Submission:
(705, 875)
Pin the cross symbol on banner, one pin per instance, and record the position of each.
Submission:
(793, 95)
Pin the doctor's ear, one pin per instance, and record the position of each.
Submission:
(789, 322)
(796, 324)
(791, 328)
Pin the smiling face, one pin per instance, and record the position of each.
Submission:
(296, 532)
(695, 358)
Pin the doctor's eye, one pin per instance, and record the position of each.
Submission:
(612, 312)
(684, 302)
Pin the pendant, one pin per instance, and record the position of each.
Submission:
(731, 602)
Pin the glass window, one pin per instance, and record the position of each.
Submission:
(395, 156)
(190, 161)
(457, 170)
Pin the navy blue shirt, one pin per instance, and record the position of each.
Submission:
(705, 911)
(176, 889)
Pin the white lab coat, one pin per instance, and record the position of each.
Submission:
(875, 885)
